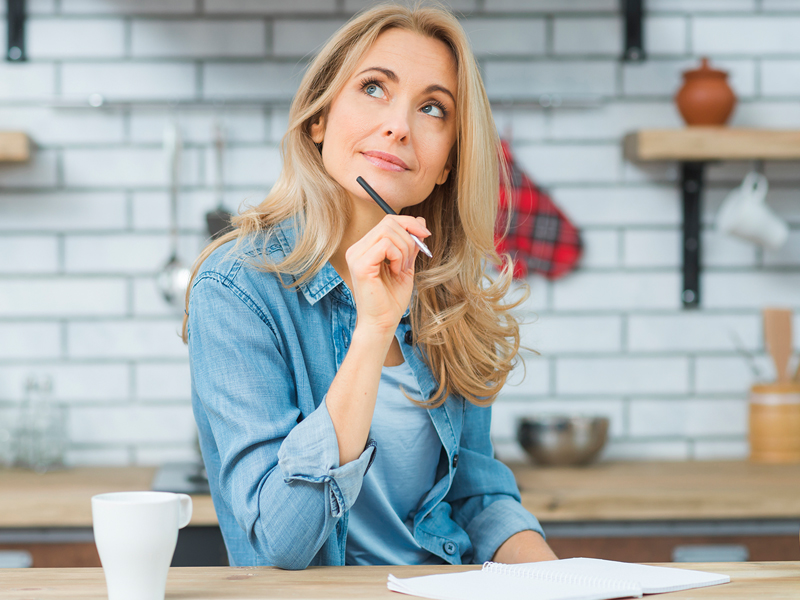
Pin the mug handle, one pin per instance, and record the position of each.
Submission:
(185, 514)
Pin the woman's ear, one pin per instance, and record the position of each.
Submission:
(318, 129)
(443, 175)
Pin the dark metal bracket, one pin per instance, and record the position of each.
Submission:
(634, 30)
(692, 190)
(15, 16)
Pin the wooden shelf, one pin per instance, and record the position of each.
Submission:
(712, 143)
(14, 146)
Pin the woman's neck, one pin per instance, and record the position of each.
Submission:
(363, 218)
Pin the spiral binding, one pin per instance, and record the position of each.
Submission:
(555, 577)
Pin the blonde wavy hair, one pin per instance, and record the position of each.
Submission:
(460, 318)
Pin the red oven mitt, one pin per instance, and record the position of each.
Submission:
(540, 238)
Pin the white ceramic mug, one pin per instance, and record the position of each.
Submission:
(136, 533)
(745, 214)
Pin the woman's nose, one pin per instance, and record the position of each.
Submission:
(397, 125)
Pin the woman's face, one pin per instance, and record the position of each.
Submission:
(394, 122)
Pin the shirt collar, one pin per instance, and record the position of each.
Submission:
(316, 287)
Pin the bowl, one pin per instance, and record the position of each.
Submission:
(563, 440)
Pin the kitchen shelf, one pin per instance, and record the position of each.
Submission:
(14, 146)
(694, 147)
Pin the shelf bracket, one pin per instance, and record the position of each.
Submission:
(15, 16)
(634, 31)
(692, 190)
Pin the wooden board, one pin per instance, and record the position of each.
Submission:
(14, 146)
(635, 491)
(63, 498)
(767, 581)
(712, 143)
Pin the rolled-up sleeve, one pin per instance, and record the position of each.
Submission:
(484, 494)
(279, 473)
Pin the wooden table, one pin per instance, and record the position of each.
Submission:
(767, 581)
(585, 511)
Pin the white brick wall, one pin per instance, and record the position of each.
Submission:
(84, 225)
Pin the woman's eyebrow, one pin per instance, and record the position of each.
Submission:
(392, 76)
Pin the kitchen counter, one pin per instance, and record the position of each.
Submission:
(621, 491)
(638, 511)
(768, 581)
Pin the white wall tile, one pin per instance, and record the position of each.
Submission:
(268, 80)
(75, 38)
(600, 249)
(789, 253)
(692, 332)
(731, 374)
(612, 121)
(98, 455)
(296, 37)
(197, 126)
(506, 36)
(531, 377)
(595, 36)
(75, 383)
(553, 334)
(268, 7)
(118, 253)
(620, 206)
(622, 375)
(159, 454)
(639, 450)
(701, 5)
(62, 297)
(165, 381)
(38, 172)
(126, 339)
(652, 248)
(780, 5)
(720, 449)
(35, 7)
(780, 77)
(47, 126)
(550, 6)
(127, 6)
(132, 424)
(139, 80)
(26, 80)
(656, 77)
(664, 35)
(617, 291)
(28, 254)
(551, 164)
(518, 79)
(253, 166)
(63, 211)
(125, 167)
(29, 340)
(455, 5)
(767, 114)
(750, 290)
(506, 414)
(197, 38)
(749, 34)
(148, 300)
(688, 417)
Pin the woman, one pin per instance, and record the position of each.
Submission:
(341, 381)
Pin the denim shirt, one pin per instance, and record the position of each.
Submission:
(263, 356)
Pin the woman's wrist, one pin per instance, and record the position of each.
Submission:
(379, 338)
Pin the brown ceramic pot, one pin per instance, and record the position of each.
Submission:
(705, 98)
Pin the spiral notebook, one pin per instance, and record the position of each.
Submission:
(568, 579)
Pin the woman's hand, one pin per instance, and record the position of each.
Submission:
(381, 268)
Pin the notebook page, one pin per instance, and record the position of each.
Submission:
(481, 585)
(653, 580)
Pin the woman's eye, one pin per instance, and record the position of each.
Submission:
(374, 91)
(433, 110)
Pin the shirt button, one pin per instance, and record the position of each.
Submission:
(450, 548)
(455, 460)
(409, 338)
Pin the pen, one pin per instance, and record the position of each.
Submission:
(388, 210)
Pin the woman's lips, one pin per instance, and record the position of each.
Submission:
(387, 162)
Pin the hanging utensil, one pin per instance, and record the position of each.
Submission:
(174, 277)
(778, 339)
(218, 221)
